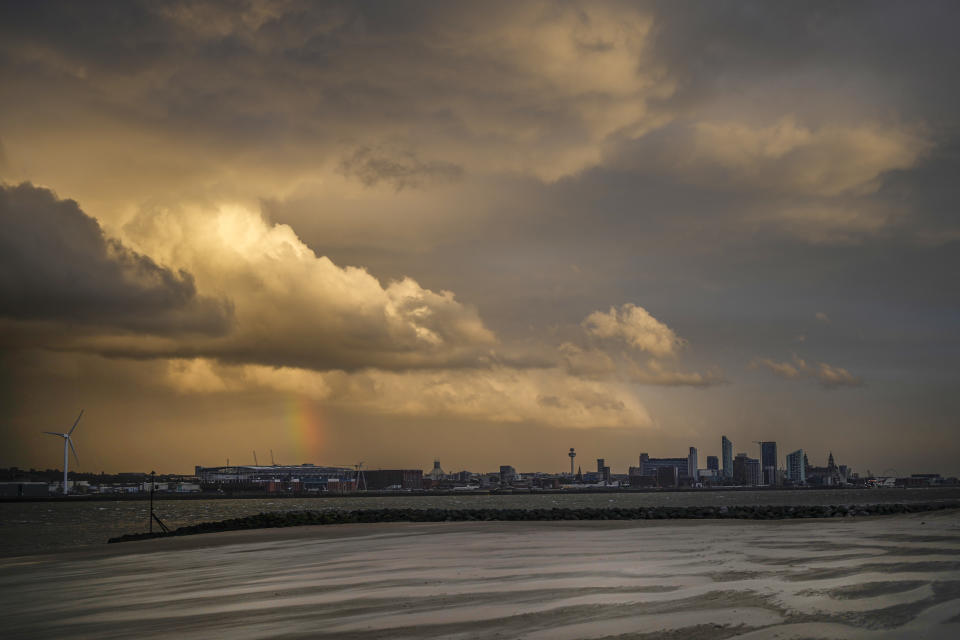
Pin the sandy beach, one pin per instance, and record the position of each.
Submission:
(876, 577)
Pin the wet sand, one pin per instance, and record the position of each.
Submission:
(875, 577)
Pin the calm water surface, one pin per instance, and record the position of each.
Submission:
(32, 527)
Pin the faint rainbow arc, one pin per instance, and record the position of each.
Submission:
(306, 427)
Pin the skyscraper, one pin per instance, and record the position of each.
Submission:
(726, 449)
(740, 468)
(796, 472)
(768, 462)
(713, 463)
(692, 465)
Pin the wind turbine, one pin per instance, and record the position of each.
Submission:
(67, 441)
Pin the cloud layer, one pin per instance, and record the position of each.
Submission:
(497, 214)
(244, 305)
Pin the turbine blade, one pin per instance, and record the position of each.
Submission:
(54, 433)
(75, 456)
(76, 422)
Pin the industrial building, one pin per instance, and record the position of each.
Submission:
(378, 479)
(23, 489)
(303, 477)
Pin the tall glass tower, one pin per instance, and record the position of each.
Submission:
(692, 465)
(726, 448)
(795, 467)
(768, 462)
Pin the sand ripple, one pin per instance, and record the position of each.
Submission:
(894, 577)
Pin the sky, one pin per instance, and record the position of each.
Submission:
(481, 232)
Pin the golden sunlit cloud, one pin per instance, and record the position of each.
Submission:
(496, 394)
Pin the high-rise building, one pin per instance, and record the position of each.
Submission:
(740, 468)
(600, 465)
(796, 472)
(754, 477)
(726, 450)
(746, 470)
(768, 462)
(713, 463)
(692, 464)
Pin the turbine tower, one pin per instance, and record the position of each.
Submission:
(360, 476)
(67, 442)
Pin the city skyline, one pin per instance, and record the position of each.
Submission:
(481, 232)
(783, 464)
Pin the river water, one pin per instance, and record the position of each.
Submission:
(35, 527)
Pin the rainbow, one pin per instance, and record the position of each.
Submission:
(306, 426)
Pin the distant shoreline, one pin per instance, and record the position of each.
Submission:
(248, 495)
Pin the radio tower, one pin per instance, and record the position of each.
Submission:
(572, 454)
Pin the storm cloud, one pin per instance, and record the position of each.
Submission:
(58, 266)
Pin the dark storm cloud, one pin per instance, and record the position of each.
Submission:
(903, 51)
(57, 265)
(402, 170)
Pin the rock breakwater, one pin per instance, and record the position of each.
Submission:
(742, 512)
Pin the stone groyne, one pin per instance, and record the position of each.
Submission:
(742, 512)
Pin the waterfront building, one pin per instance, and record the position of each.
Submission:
(796, 473)
(436, 474)
(713, 463)
(303, 477)
(649, 466)
(829, 475)
(507, 474)
(768, 462)
(740, 469)
(754, 475)
(709, 477)
(667, 476)
(692, 464)
(726, 450)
